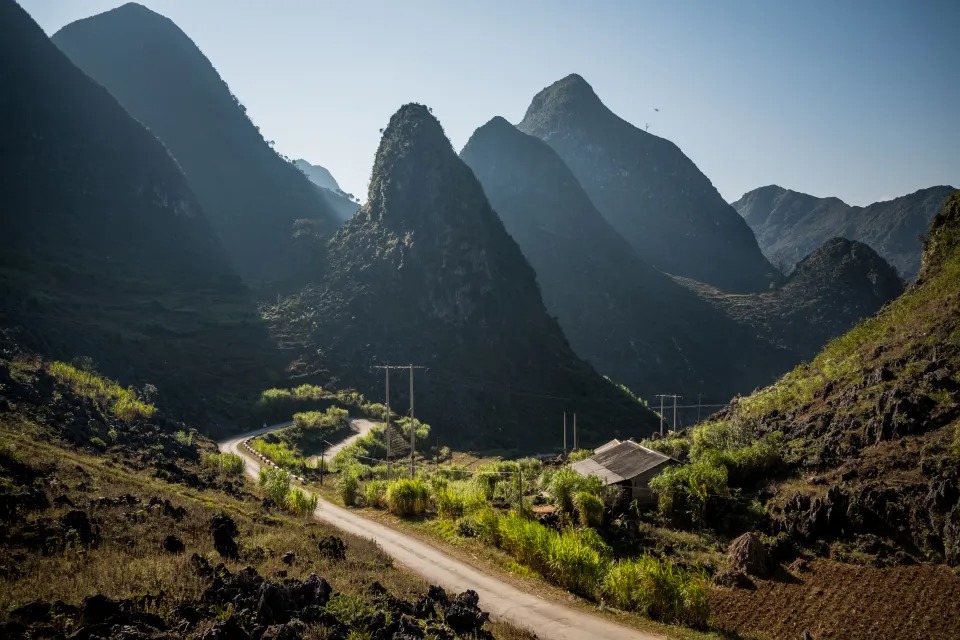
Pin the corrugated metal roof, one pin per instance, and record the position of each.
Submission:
(621, 461)
(604, 447)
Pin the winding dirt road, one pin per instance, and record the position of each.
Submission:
(550, 620)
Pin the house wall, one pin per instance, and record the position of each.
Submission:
(639, 486)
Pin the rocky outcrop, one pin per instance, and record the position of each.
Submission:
(748, 554)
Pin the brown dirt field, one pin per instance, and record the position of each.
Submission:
(834, 600)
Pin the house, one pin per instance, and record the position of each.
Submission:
(627, 464)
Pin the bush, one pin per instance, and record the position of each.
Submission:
(123, 403)
(589, 509)
(575, 564)
(691, 484)
(408, 497)
(226, 463)
(329, 420)
(347, 484)
(278, 452)
(487, 525)
(579, 454)
(660, 590)
(277, 484)
(678, 447)
(300, 503)
(375, 494)
(566, 482)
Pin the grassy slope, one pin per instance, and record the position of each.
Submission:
(51, 465)
(875, 418)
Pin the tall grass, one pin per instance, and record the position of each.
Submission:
(589, 509)
(276, 482)
(280, 453)
(375, 494)
(408, 497)
(300, 503)
(229, 464)
(660, 590)
(347, 485)
(123, 403)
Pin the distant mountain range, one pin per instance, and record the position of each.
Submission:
(341, 203)
(632, 321)
(105, 251)
(833, 288)
(250, 194)
(425, 273)
(789, 224)
(648, 190)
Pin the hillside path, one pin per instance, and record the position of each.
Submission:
(549, 619)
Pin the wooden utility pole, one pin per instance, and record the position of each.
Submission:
(675, 413)
(386, 368)
(575, 443)
(699, 405)
(413, 431)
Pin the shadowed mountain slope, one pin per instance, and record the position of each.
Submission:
(789, 224)
(831, 290)
(104, 249)
(339, 202)
(648, 190)
(250, 194)
(631, 321)
(425, 273)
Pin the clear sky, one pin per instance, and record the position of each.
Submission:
(857, 99)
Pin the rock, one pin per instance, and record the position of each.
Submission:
(31, 613)
(77, 521)
(463, 614)
(333, 548)
(288, 557)
(200, 565)
(173, 544)
(748, 554)
(292, 630)
(800, 565)
(99, 608)
(229, 629)
(224, 531)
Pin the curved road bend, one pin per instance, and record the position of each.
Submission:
(360, 426)
(549, 620)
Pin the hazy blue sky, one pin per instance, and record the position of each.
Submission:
(856, 99)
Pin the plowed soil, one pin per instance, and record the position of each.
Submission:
(834, 600)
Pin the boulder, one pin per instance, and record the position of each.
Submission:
(224, 530)
(173, 544)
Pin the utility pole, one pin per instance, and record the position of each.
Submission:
(575, 443)
(386, 368)
(699, 405)
(667, 395)
(564, 433)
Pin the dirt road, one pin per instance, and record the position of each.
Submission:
(360, 426)
(548, 619)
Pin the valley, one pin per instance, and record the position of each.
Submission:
(541, 377)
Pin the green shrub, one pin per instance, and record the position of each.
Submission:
(408, 497)
(279, 453)
(329, 420)
(300, 503)
(123, 403)
(692, 484)
(226, 463)
(589, 509)
(277, 484)
(677, 447)
(565, 483)
(660, 590)
(487, 525)
(184, 438)
(579, 454)
(375, 494)
(575, 564)
(347, 485)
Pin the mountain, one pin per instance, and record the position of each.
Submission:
(631, 321)
(425, 273)
(104, 249)
(250, 194)
(789, 224)
(876, 418)
(832, 289)
(648, 190)
(318, 175)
